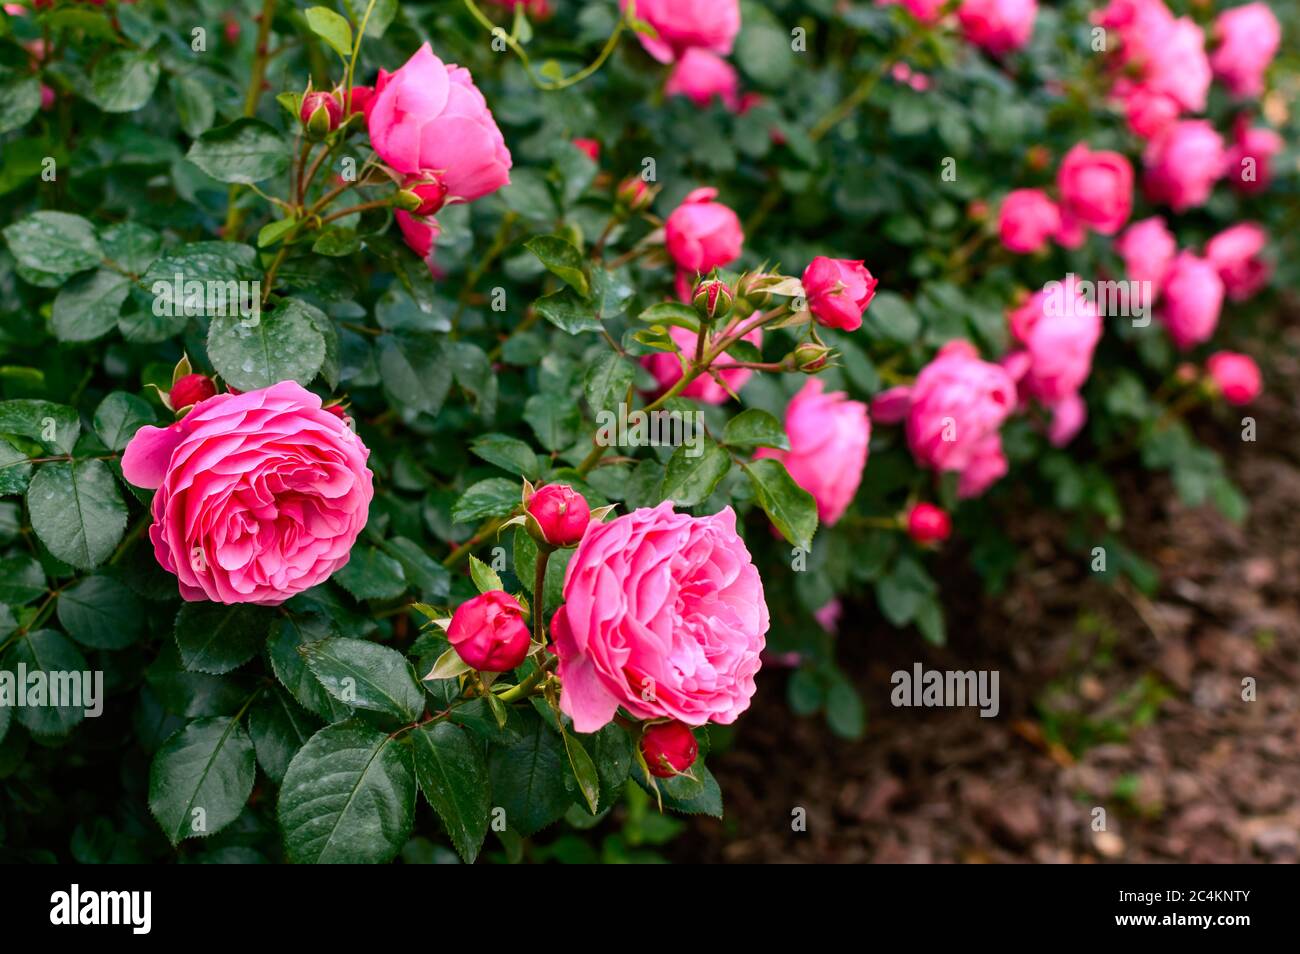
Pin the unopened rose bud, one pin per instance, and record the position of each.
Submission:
(634, 194)
(232, 31)
(429, 191)
(190, 390)
(669, 748)
(557, 515)
(337, 410)
(1235, 376)
(712, 299)
(978, 210)
(927, 524)
(320, 114)
(754, 288)
(811, 357)
(489, 632)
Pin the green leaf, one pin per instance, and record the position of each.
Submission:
(288, 635)
(244, 152)
(528, 777)
(21, 580)
(20, 100)
(348, 797)
(704, 797)
(893, 318)
(689, 480)
(844, 711)
(15, 469)
(562, 260)
(584, 770)
(331, 28)
(413, 372)
(485, 578)
(903, 591)
(55, 655)
(102, 613)
(131, 246)
(366, 675)
(119, 416)
(124, 81)
(671, 313)
(790, 508)
(272, 232)
(508, 453)
(194, 105)
(54, 242)
(55, 426)
(452, 773)
(494, 497)
(372, 575)
(201, 778)
(76, 511)
(216, 638)
(753, 427)
(279, 727)
(554, 418)
(427, 575)
(611, 750)
(607, 381)
(279, 346)
(568, 311)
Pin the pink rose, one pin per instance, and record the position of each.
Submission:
(259, 495)
(1183, 164)
(700, 76)
(1059, 330)
(430, 118)
(1193, 297)
(663, 615)
(683, 24)
(669, 748)
(891, 405)
(1096, 188)
(958, 404)
(1235, 253)
(998, 26)
(987, 465)
(928, 524)
(1148, 112)
(559, 515)
(828, 447)
(1235, 375)
(1072, 233)
(489, 632)
(1068, 417)
(1171, 57)
(589, 147)
(1250, 165)
(1147, 248)
(1247, 37)
(667, 368)
(1027, 219)
(420, 233)
(838, 291)
(927, 11)
(702, 234)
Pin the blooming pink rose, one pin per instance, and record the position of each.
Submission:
(1068, 417)
(489, 632)
(998, 26)
(1170, 55)
(1148, 112)
(1183, 163)
(927, 11)
(430, 117)
(1059, 330)
(702, 234)
(1235, 253)
(663, 615)
(1250, 166)
(1235, 375)
(700, 76)
(958, 404)
(838, 291)
(828, 447)
(1096, 188)
(1193, 297)
(259, 496)
(987, 465)
(1027, 219)
(684, 24)
(1247, 37)
(1147, 248)
(667, 368)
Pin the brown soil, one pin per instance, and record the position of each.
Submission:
(1109, 699)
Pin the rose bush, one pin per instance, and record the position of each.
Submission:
(430, 418)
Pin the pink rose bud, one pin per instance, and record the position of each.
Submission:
(927, 524)
(489, 632)
(589, 147)
(1235, 375)
(683, 25)
(838, 291)
(712, 299)
(431, 192)
(1027, 220)
(560, 515)
(1248, 38)
(669, 748)
(320, 113)
(1096, 188)
(810, 357)
(190, 390)
(634, 194)
(421, 234)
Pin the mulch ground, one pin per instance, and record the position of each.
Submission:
(1109, 700)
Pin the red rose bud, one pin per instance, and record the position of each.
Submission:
(755, 288)
(431, 192)
(634, 194)
(589, 146)
(558, 515)
(669, 748)
(712, 299)
(190, 390)
(489, 632)
(337, 410)
(928, 524)
(232, 31)
(320, 113)
(1235, 376)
